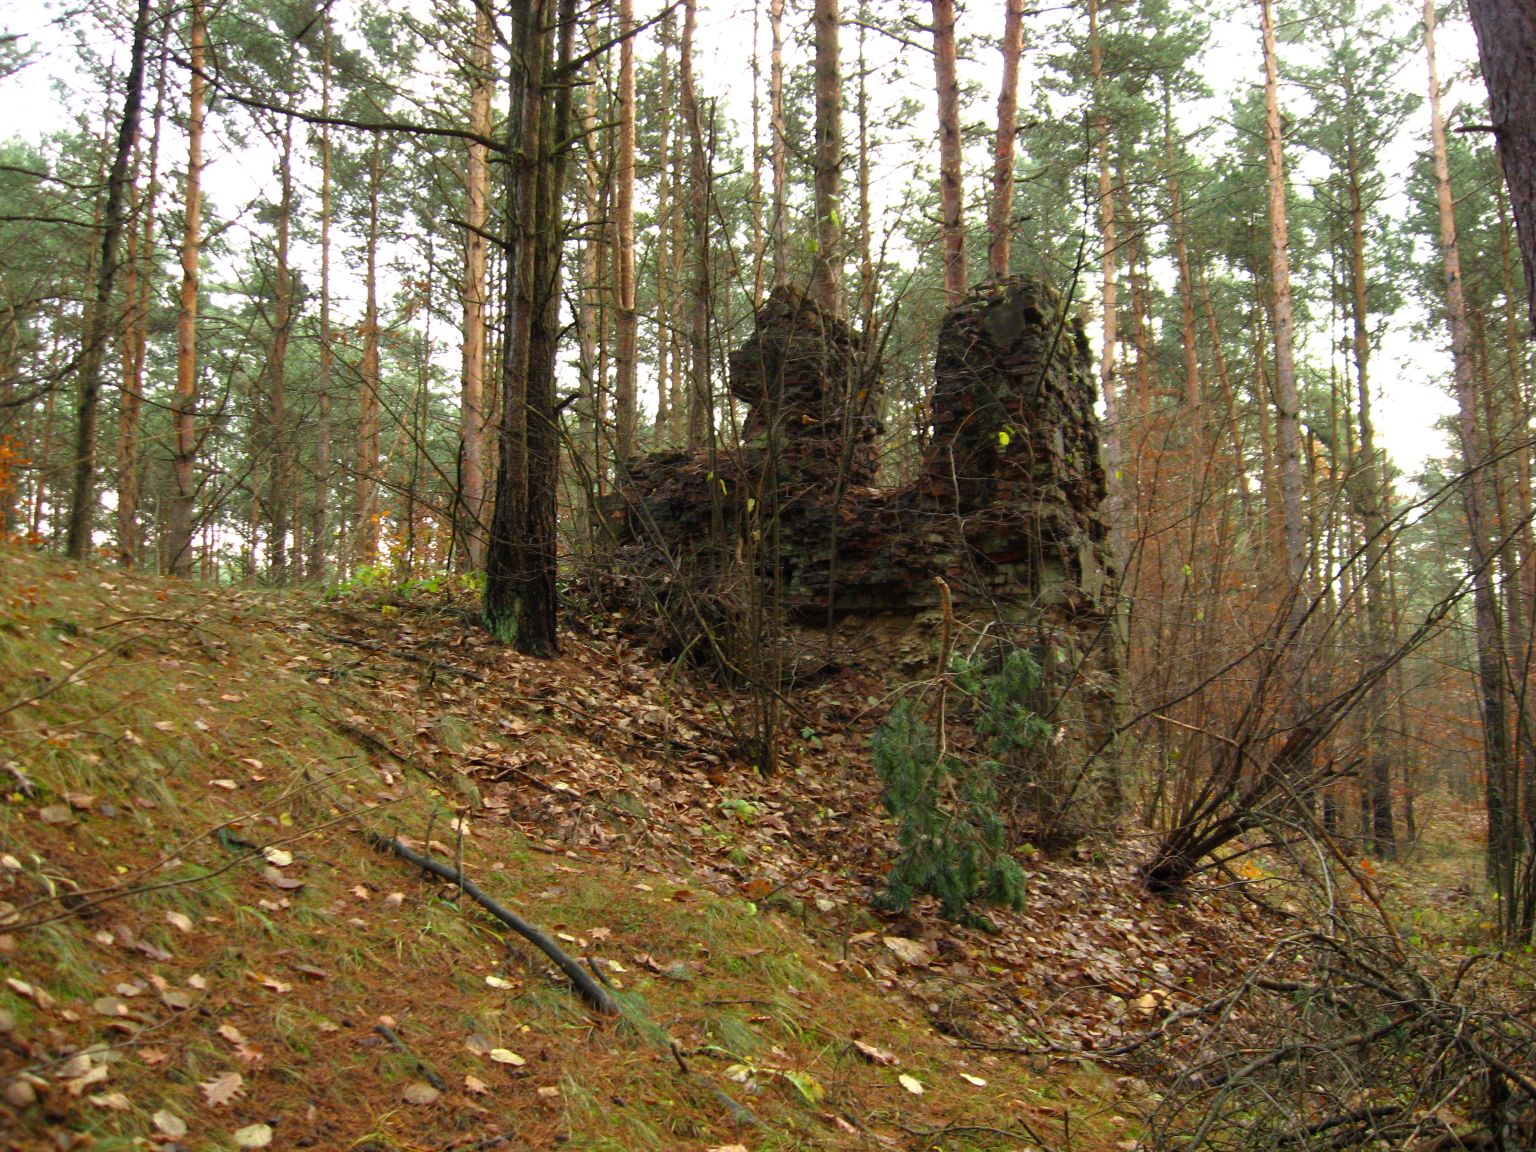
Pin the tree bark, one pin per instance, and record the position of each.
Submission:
(779, 213)
(366, 515)
(951, 187)
(184, 407)
(626, 321)
(470, 512)
(1506, 47)
(319, 508)
(277, 369)
(82, 508)
(700, 402)
(520, 604)
(826, 286)
(1287, 402)
(137, 293)
(1000, 224)
(1497, 753)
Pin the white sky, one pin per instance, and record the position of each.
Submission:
(1411, 374)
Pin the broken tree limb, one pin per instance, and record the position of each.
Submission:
(592, 992)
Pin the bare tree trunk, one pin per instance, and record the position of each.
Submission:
(469, 515)
(137, 294)
(1287, 403)
(626, 322)
(826, 286)
(951, 188)
(184, 408)
(1371, 487)
(320, 498)
(1506, 46)
(1109, 298)
(1498, 758)
(779, 213)
(277, 368)
(700, 408)
(82, 506)
(665, 211)
(365, 543)
(1000, 225)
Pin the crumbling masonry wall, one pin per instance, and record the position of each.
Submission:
(1008, 512)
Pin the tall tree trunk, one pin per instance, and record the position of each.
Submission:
(826, 286)
(508, 567)
(137, 293)
(184, 408)
(277, 370)
(1371, 503)
(1109, 296)
(1497, 754)
(1287, 402)
(626, 321)
(1506, 47)
(951, 187)
(82, 506)
(370, 381)
(319, 508)
(700, 405)
(469, 515)
(1000, 222)
(665, 211)
(779, 210)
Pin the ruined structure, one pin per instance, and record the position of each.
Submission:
(1007, 513)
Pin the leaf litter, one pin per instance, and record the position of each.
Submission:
(601, 760)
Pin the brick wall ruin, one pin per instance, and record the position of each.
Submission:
(1008, 510)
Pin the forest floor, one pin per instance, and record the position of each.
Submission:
(200, 947)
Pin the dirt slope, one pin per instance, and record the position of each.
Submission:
(199, 949)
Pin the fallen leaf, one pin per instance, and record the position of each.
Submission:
(115, 1101)
(30, 991)
(506, 1056)
(227, 785)
(278, 857)
(96, 1074)
(420, 1092)
(254, 1136)
(873, 1054)
(976, 1080)
(475, 1085)
(911, 1083)
(275, 878)
(19, 1093)
(498, 982)
(911, 952)
(179, 920)
(222, 1089)
(170, 1124)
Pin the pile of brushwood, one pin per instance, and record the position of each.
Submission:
(1348, 1036)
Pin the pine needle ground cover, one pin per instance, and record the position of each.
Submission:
(199, 949)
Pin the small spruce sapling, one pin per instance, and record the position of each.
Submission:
(949, 828)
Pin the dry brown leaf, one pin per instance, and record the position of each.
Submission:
(420, 1092)
(873, 1054)
(169, 1124)
(912, 952)
(222, 1089)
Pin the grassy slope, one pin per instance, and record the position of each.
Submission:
(156, 737)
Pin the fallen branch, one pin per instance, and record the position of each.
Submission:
(592, 992)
